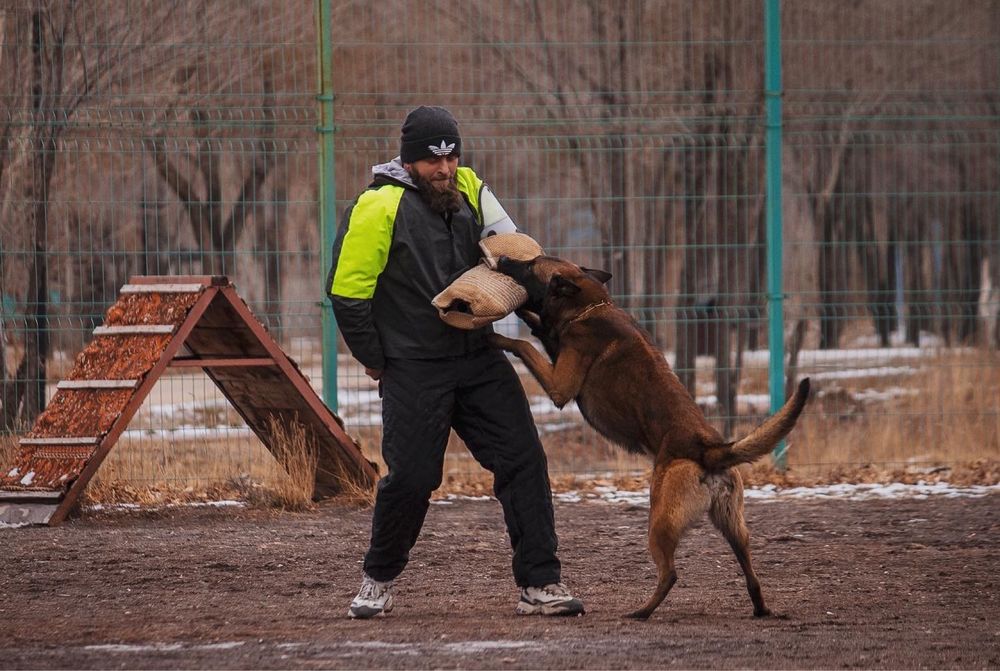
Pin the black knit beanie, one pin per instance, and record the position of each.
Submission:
(429, 131)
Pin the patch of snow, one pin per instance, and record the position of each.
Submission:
(123, 647)
(384, 646)
(347, 396)
(898, 339)
(225, 503)
(849, 356)
(410, 649)
(552, 427)
(113, 506)
(467, 647)
(13, 473)
(754, 400)
(219, 646)
(359, 419)
(188, 410)
(28, 478)
(881, 395)
(190, 433)
(5, 525)
(451, 498)
(865, 492)
(543, 405)
(160, 647)
(883, 371)
(770, 493)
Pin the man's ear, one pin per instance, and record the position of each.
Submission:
(560, 286)
(601, 276)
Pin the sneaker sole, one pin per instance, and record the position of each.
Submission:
(561, 609)
(366, 613)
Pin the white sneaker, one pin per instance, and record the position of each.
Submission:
(374, 598)
(552, 599)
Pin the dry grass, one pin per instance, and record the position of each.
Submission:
(160, 473)
(948, 417)
(296, 451)
(940, 423)
(353, 492)
(8, 449)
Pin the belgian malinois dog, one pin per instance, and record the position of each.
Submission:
(626, 390)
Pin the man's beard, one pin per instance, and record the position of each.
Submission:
(440, 201)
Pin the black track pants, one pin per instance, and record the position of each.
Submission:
(480, 396)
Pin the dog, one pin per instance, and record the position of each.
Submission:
(627, 391)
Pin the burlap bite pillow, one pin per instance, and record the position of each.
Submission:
(512, 245)
(480, 296)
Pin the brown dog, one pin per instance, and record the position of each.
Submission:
(628, 393)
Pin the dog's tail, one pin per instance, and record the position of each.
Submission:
(761, 440)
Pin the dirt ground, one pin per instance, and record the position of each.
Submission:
(877, 584)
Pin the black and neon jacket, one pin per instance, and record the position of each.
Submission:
(393, 254)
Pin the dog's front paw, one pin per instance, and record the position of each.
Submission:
(762, 612)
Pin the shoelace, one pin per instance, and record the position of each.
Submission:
(556, 589)
(373, 590)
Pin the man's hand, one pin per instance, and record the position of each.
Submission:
(373, 373)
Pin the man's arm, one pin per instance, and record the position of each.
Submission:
(495, 218)
(360, 254)
(492, 216)
(354, 319)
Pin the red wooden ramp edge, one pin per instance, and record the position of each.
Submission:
(160, 322)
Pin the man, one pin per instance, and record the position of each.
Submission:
(412, 232)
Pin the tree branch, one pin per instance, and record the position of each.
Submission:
(199, 218)
(261, 166)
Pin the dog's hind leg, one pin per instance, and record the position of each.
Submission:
(726, 513)
(676, 499)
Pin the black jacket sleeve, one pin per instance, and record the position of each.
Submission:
(354, 320)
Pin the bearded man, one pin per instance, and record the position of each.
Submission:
(405, 238)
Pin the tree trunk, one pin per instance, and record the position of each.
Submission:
(687, 320)
(43, 144)
(918, 317)
(831, 281)
(970, 262)
(270, 244)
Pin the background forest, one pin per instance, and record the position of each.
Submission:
(180, 137)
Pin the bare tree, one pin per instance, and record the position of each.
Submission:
(722, 264)
(11, 24)
(75, 51)
(592, 94)
(218, 231)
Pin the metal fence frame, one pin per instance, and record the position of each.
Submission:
(667, 132)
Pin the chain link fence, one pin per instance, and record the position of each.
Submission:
(180, 137)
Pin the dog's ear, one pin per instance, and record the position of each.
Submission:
(560, 286)
(601, 276)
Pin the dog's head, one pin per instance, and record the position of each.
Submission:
(557, 289)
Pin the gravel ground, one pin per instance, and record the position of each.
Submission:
(904, 583)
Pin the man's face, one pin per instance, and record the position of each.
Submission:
(439, 171)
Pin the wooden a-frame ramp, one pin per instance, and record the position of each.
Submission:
(157, 323)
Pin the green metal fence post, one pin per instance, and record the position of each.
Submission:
(775, 297)
(327, 193)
